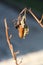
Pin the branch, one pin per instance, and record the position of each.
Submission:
(9, 43)
(24, 10)
(39, 21)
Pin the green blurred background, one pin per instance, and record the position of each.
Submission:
(36, 5)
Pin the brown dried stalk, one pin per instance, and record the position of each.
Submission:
(9, 43)
(30, 11)
(39, 21)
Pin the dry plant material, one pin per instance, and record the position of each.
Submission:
(9, 37)
(30, 11)
(9, 43)
(39, 21)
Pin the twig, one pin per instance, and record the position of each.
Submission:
(39, 21)
(9, 43)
